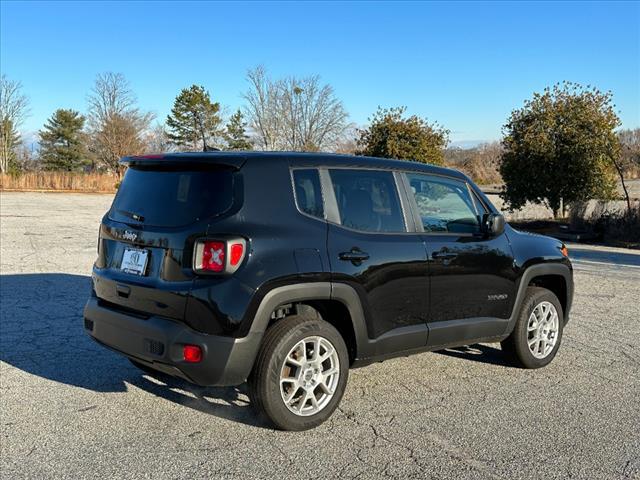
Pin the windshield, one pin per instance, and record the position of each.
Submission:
(172, 198)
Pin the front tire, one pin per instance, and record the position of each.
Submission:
(536, 337)
(300, 373)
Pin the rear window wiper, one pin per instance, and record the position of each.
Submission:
(135, 216)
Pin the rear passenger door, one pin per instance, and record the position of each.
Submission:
(472, 276)
(372, 247)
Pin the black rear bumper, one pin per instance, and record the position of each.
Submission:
(157, 342)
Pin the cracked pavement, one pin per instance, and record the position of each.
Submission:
(72, 409)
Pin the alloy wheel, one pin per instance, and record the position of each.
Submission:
(309, 376)
(542, 329)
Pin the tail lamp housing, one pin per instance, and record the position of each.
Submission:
(219, 256)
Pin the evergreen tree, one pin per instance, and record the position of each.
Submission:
(236, 136)
(194, 121)
(63, 141)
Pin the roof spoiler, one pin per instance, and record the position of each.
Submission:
(196, 158)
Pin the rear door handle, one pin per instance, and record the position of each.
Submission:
(355, 256)
(443, 255)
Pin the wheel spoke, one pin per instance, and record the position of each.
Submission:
(290, 396)
(329, 351)
(316, 350)
(542, 346)
(294, 361)
(331, 371)
(325, 387)
(314, 400)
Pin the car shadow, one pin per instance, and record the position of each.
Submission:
(478, 353)
(42, 333)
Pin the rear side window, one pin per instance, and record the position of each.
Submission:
(368, 200)
(172, 198)
(308, 192)
(444, 205)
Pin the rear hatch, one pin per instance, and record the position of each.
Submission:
(146, 239)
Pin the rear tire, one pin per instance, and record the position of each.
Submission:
(537, 335)
(300, 373)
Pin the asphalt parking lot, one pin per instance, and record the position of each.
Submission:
(72, 409)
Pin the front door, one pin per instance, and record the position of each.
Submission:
(371, 249)
(472, 283)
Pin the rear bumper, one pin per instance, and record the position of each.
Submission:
(157, 342)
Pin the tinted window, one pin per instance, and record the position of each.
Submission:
(308, 192)
(368, 200)
(444, 205)
(172, 198)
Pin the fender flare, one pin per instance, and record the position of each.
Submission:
(535, 271)
(299, 292)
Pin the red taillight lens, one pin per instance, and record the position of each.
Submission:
(213, 254)
(192, 353)
(217, 256)
(236, 252)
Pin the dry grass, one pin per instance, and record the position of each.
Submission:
(59, 181)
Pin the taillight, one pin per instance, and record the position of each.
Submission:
(219, 256)
(213, 254)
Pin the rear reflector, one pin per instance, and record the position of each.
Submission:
(237, 252)
(192, 353)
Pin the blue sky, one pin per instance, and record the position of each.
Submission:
(465, 65)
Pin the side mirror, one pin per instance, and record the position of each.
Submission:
(492, 224)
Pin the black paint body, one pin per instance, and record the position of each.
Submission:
(415, 290)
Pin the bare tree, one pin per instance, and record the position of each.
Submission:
(294, 114)
(261, 109)
(158, 140)
(627, 160)
(14, 107)
(116, 124)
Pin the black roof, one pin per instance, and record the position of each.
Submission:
(297, 159)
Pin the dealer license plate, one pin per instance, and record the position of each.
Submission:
(134, 261)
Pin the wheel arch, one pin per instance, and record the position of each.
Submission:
(338, 304)
(556, 277)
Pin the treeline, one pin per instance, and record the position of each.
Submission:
(295, 114)
(562, 146)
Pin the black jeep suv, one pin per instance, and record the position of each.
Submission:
(287, 269)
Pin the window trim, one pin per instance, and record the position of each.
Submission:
(416, 211)
(295, 195)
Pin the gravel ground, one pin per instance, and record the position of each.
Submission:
(72, 409)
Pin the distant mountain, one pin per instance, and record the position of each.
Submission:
(464, 144)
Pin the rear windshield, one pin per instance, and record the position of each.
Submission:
(170, 198)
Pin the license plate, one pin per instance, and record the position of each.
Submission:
(134, 261)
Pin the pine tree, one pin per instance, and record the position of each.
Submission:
(194, 121)
(63, 141)
(236, 136)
